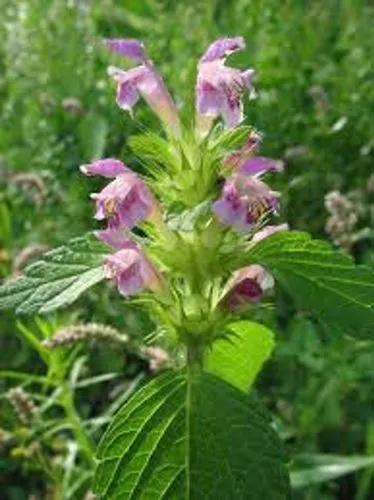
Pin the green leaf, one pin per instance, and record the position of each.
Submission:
(238, 358)
(231, 139)
(311, 469)
(152, 148)
(58, 279)
(188, 219)
(321, 280)
(190, 437)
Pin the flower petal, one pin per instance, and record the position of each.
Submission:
(145, 81)
(247, 285)
(223, 47)
(108, 167)
(268, 231)
(115, 237)
(127, 47)
(245, 201)
(131, 270)
(125, 202)
(219, 88)
(236, 159)
(259, 165)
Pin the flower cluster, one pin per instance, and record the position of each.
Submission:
(243, 208)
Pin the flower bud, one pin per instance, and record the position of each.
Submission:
(247, 285)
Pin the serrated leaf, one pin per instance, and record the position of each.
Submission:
(319, 468)
(58, 279)
(321, 280)
(190, 437)
(238, 358)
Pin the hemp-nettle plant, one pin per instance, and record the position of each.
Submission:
(195, 241)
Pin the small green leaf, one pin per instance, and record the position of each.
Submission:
(320, 280)
(312, 469)
(230, 139)
(190, 437)
(58, 279)
(187, 220)
(238, 358)
(154, 149)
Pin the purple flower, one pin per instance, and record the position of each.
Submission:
(258, 165)
(131, 270)
(268, 231)
(144, 81)
(245, 162)
(238, 158)
(108, 167)
(128, 47)
(220, 88)
(125, 201)
(115, 237)
(247, 285)
(244, 202)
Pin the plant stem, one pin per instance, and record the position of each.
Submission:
(86, 446)
(195, 353)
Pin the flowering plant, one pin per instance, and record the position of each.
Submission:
(195, 242)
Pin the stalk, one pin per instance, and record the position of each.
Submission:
(73, 418)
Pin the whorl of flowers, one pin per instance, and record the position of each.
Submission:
(202, 205)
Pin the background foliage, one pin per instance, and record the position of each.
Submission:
(314, 105)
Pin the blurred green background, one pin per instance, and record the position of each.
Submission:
(315, 107)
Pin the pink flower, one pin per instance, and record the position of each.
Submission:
(237, 159)
(117, 238)
(126, 200)
(131, 270)
(244, 202)
(245, 162)
(219, 88)
(268, 231)
(127, 47)
(247, 285)
(144, 81)
(108, 167)
(258, 165)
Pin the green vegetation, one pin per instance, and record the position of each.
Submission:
(314, 105)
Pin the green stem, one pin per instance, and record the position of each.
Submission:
(195, 355)
(86, 446)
